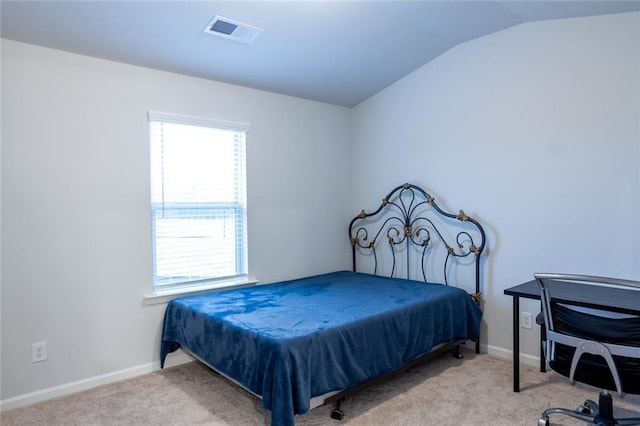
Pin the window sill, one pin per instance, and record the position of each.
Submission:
(163, 296)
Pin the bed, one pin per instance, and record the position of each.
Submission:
(301, 343)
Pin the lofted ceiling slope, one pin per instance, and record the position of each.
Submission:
(338, 52)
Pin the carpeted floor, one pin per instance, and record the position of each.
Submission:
(474, 391)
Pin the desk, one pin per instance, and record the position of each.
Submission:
(590, 296)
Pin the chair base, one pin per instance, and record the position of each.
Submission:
(597, 414)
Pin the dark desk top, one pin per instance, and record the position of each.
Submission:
(590, 296)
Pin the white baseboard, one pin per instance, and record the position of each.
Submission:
(174, 359)
(507, 353)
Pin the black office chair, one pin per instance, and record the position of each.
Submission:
(595, 347)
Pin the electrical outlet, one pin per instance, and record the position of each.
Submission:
(526, 320)
(38, 352)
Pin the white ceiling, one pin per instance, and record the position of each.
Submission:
(339, 52)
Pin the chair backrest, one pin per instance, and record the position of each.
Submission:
(594, 346)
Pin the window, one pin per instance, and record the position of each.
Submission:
(198, 201)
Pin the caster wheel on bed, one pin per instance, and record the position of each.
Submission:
(337, 414)
(543, 422)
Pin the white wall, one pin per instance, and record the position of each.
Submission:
(76, 251)
(535, 132)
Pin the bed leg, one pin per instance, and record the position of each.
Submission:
(456, 352)
(337, 413)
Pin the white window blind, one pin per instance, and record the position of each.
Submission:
(198, 200)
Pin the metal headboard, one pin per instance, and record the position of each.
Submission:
(409, 226)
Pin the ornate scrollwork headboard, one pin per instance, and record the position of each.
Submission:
(409, 235)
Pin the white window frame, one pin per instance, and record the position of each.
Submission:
(161, 293)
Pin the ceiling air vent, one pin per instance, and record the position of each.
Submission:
(232, 30)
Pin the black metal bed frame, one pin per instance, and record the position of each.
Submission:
(407, 219)
(413, 223)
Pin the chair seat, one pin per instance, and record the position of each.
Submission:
(593, 370)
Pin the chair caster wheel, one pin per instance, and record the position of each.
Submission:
(337, 414)
(543, 422)
(583, 409)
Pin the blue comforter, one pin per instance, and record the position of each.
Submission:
(290, 341)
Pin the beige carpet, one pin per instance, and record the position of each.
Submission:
(447, 391)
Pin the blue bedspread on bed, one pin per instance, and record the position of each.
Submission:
(297, 339)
